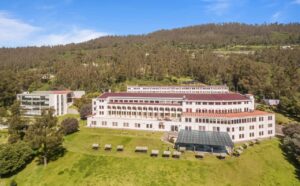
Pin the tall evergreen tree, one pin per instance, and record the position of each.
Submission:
(17, 124)
(45, 137)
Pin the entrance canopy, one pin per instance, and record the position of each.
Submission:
(204, 140)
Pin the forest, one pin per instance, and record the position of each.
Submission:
(260, 59)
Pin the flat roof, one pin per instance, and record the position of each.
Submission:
(46, 92)
(187, 96)
(204, 138)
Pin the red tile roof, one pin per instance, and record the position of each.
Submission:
(208, 97)
(230, 115)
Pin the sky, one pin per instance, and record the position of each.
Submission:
(53, 22)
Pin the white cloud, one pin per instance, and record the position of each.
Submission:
(296, 2)
(13, 29)
(14, 32)
(75, 35)
(218, 7)
(276, 16)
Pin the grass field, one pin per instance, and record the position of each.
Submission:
(263, 164)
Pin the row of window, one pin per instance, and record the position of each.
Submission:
(251, 134)
(226, 121)
(218, 103)
(144, 114)
(145, 108)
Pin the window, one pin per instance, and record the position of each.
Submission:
(149, 126)
(216, 129)
(270, 125)
(188, 128)
(202, 128)
(232, 129)
(261, 126)
(261, 133)
(114, 124)
(188, 119)
(270, 131)
(137, 125)
(261, 118)
(104, 123)
(269, 117)
(94, 123)
(228, 129)
(251, 127)
(161, 125)
(125, 124)
(232, 137)
(251, 134)
(241, 136)
(241, 128)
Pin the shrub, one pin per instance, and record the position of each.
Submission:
(13, 157)
(69, 125)
(291, 141)
(85, 110)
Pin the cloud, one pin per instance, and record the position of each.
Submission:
(13, 29)
(276, 16)
(218, 7)
(76, 35)
(296, 2)
(14, 32)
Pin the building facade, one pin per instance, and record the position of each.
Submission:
(224, 112)
(203, 89)
(34, 103)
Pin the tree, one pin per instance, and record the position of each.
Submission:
(45, 137)
(17, 124)
(85, 110)
(291, 141)
(69, 125)
(13, 157)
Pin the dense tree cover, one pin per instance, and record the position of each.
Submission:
(291, 141)
(104, 63)
(45, 137)
(69, 125)
(13, 157)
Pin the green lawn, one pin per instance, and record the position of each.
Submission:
(263, 164)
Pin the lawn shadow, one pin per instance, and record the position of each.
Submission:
(291, 159)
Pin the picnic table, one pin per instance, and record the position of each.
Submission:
(154, 153)
(107, 147)
(176, 154)
(166, 153)
(95, 146)
(120, 148)
(141, 149)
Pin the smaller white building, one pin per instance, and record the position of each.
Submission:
(34, 103)
(272, 102)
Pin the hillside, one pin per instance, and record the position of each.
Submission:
(248, 58)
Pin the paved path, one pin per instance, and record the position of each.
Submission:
(72, 111)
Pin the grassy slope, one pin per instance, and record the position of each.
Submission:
(262, 164)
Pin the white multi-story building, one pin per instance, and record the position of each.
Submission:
(34, 103)
(225, 112)
(203, 89)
